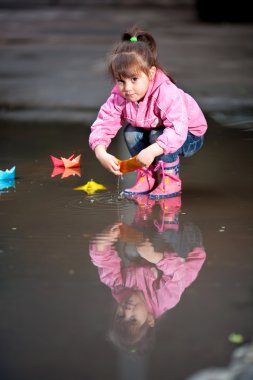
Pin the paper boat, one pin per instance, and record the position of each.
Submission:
(91, 187)
(73, 163)
(57, 162)
(130, 165)
(131, 235)
(7, 183)
(65, 172)
(8, 174)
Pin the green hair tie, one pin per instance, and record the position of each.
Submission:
(133, 39)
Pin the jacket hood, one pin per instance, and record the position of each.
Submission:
(160, 77)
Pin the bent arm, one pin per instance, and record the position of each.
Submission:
(104, 256)
(173, 114)
(108, 122)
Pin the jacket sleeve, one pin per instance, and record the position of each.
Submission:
(173, 113)
(194, 262)
(108, 122)
(108, 263)
(186, 270)
(178, 274)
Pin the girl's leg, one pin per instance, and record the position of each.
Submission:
(137, 139)
(170, 184)
(168, 158)
(192, 145)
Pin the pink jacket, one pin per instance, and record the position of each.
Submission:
(161, 294)
(164, 105)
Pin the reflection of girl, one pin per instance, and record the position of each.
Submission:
(143, 291)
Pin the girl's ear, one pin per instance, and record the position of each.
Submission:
(151, 320)
(152, 72)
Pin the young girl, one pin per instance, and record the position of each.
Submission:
(163, 122)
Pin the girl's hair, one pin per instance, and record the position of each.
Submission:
(130, 57)
(132, 339)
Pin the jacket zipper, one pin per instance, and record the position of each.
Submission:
(137, 106)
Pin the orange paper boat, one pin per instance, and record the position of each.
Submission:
(57, 162)
(130, 165)
(73, 163)
(131, 235)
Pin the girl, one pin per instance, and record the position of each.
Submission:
(163, 122)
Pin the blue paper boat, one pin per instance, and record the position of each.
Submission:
(7, 174)
(6, 184)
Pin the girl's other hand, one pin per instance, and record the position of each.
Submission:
(146, 251)
(108, 237)
(109, 162)
(112, 232)
(147, 155)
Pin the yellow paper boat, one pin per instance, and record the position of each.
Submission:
(91, 187)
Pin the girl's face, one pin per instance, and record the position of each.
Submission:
(133, 309)
(134, 88)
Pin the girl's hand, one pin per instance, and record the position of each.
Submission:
(147, 252)
(147, 155)
(111, 233)
(108, 237)
(108, 161)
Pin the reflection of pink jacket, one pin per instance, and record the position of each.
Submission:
(164, 104)
(161, 293)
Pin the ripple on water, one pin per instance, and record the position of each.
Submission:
(101, 201)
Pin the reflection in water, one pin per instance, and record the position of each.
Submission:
(168, 216)
(146, 268)
(6, 185)
(65, 172)
(7, 179)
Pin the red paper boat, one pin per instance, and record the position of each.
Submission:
(57, 162)
(73, 163)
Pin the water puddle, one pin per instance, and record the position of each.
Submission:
(132, 281)
(240, 119)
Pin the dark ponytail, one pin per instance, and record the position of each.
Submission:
(136, 49)
(141, 36)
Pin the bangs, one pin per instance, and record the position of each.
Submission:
(126, 65)
(128, 332)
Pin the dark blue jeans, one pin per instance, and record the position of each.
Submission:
(138, 138)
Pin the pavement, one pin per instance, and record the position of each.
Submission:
(53, 60)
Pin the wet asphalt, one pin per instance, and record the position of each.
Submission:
(56, 311)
